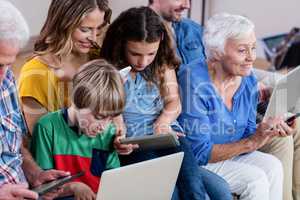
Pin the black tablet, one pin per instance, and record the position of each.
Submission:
(47, 187)
(153, 142)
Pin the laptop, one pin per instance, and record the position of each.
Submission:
(282, 49)
(148, 180)
(270, 43)
(285, 95)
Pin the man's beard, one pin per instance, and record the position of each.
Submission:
(170, 18)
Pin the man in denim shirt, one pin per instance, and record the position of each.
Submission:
(187, 33)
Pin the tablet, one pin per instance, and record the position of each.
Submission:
(152, 142)
(285, 95)
(47, 187)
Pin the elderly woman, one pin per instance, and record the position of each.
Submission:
(219, 98)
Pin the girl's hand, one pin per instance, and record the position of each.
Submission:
(179, 134)
(82, 191)
(160, 129)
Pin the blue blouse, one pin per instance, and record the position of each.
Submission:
(143, 106)
(205, 118)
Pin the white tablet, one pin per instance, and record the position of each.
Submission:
(285, 95)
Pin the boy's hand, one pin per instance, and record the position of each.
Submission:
(120, 125)
(82, 191)
(50, 175)
(123, 149)
(120, 128)
(53, 194)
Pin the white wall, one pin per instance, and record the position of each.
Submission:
(34, 11)
(120, 5)
(269, 16)
(196, 10)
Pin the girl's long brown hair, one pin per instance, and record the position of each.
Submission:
(139, 25)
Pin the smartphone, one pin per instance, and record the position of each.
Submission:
(47, 187)
(124, 72)
(291, 119)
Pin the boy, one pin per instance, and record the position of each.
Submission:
(81, 137)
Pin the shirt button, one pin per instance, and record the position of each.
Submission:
(231, 130)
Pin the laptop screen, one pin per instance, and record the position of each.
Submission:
(153, 179)
(270, 43)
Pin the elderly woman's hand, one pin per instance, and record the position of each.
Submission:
(286, 130)
(264, 133)
(268, 129)
(282, 127)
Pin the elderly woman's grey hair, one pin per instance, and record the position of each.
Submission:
(221, 27)
(13, 27)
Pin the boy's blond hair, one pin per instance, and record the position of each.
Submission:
(98, 86)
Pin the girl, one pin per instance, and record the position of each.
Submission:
(139, 38)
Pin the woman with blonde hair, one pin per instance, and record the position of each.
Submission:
(69, 34)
